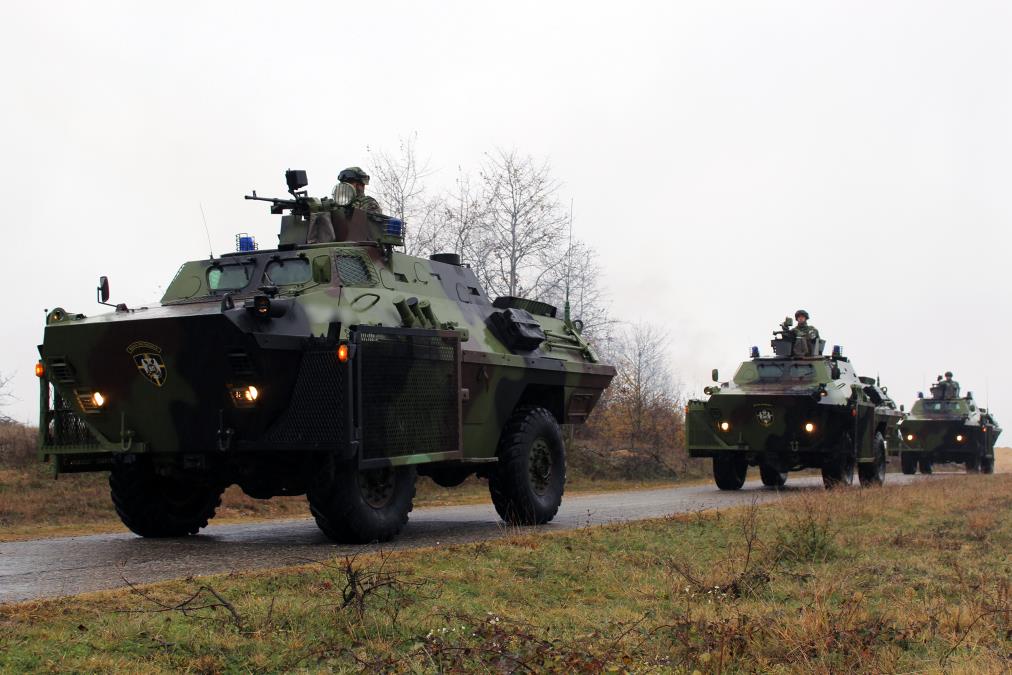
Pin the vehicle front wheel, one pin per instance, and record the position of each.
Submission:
(987, 464)
(838, 469)
(973, 465)
(729, 470)
(153, 505)
(772, 476)
(526, 485)
(357, 506)
(874, 474)
(925, 465)
(908, 463)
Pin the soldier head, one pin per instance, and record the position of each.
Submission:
(355, 176)
(948, 374)
(801, 316)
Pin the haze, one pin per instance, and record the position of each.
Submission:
(730, 162)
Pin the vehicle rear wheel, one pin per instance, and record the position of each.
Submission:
(730, 470)
(838, 469)
(362, 506)
(973, 465)
(772, 476)
(153, 505)
(987, 464)
(874, 474)
(530, 477)
(908, 463)
(925, 465)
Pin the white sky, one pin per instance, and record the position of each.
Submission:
(730, 161)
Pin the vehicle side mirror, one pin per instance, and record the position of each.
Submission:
(321, 269)
(902, 408)
(834, 371)
(714, 376)
(103, 289)
(885, 390)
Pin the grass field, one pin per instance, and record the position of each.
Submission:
(904, 579)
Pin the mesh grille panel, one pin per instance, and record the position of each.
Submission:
(64, 427)
(410, 394)
(354, 271)
(317, 413)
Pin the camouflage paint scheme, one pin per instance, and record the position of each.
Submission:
(949, 430)
(174, 375)
(770, 400)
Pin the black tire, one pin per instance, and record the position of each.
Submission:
(363, 506)
(908, 463)
(925, 465)
(152, 505)
(973, 465)
(530, 477)
(838, 468)
(772, 476)
(730, 470)
(874, 474)
(987, 464)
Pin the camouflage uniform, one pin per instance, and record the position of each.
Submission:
(366, 203)
(805, 336)
(951, 388)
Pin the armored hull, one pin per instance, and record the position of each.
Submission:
(290, 369)
(948, 430)
(786, 413)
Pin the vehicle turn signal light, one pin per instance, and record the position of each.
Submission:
(342, 353)
(40, 369)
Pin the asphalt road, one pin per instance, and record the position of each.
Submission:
(71, 565)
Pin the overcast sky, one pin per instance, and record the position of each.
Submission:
(730, 161)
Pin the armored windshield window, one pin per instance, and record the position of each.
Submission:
(229, 277)
(751, 373)
(287, 272)
(354, 271)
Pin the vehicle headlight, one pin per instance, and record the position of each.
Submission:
(809, 427)
(959, 438)
(98, 399)
(910, 437)
(725, 426)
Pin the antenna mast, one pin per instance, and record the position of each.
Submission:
(569, 263)
(207, 231)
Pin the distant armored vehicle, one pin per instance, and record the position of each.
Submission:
(945, 428)
(788, 412)
(338, 368)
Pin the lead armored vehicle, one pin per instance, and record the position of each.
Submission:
(333, 366)
(947, 428)
(787, 412)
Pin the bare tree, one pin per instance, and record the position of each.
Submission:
(399, 186)
(524, 224)
(581, 273)
(5, 396)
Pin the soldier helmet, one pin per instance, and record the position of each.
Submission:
(948, 374)
(353, 174)
(803, 313)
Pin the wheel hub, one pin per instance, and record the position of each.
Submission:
(377, 486)
(540, 466)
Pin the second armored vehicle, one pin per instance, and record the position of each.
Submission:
(947, 428)
(332, 366)
(787, 412)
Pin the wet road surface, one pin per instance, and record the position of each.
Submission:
(72, 565)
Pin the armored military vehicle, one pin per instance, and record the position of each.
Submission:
(790, 411)
(945, 428)
(332, 366)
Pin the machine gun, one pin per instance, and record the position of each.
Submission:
(301, 204)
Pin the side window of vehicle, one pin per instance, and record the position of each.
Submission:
(289, 272)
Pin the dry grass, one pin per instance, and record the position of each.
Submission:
(902, 579)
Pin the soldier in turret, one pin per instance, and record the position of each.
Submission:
(358, 179)
(951, 386)
(805, 334)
